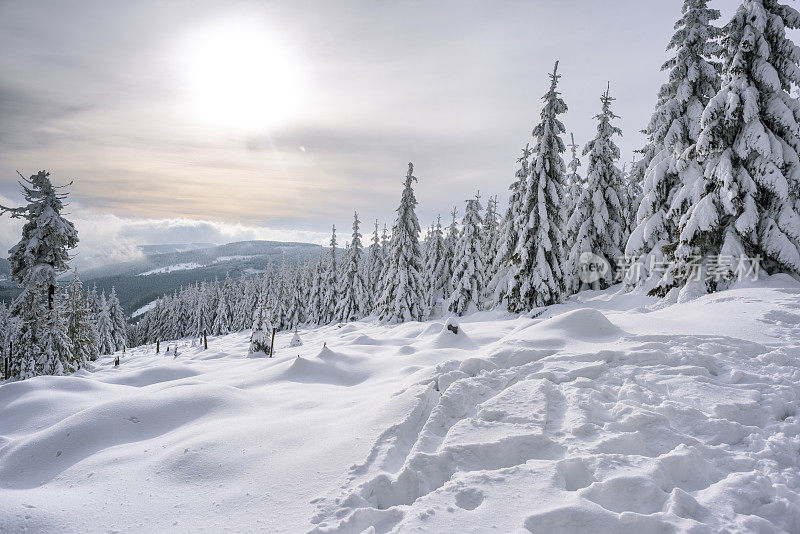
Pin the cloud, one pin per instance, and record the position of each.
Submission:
(107, 238)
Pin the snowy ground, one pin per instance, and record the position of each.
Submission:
(600, 415)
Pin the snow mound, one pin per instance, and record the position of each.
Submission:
(151, 375)
(584, 324)
(315, 372)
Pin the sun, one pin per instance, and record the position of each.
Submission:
(238, 77)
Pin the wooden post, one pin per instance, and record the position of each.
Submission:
(205, 340)
(158, 346)
(272, 344)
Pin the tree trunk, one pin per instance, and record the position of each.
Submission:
(272, 344)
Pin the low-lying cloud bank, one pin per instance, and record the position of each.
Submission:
(106, 238)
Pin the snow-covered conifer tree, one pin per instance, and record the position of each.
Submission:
(509, 231)
(491, 245)
(745, 205)
(82, 334)
(330, 284)
(374, 268)
(118, 323)
(633, 198)
(41, 254)
(222, 320)
(436, 270)
(469, 267)
(672, 133)
(316, 312)
(353, 293)
(261, 338)
(403, 297)
(597, 225)
(574, 186)
(536, 277)
(297, 305)
(105, 328)
(449, 253)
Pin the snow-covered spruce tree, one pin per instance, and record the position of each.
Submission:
(221, 321)
(449, 252)
(574, 185)
(41, 254)
(297, 304)
(261, 338)
(118, 323)
(374, 267)
(104, 327)
(633, 198)
(403, 296)
(5, 333)
(469, 267)
(436, 270)
(597, 224)
(82, 334)
(276, 297)
(316, 311)
(491, 245)
(509, 232)
(745, 202)
(536, 277)
(352, 304)
(201, 323)
(330, 284)
(672, 133)
(56, 351)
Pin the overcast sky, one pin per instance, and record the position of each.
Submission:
(219, 121)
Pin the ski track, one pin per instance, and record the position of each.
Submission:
(647, 437)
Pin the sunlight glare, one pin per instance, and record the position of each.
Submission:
(239, 78)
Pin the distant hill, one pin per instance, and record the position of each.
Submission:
(175, 247)
(141, 281)
(165, 268)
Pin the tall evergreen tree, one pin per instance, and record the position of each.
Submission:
(41, 254)
(597, 224)
(330, 284)
(436, 270)
(509, 232)
(574, 185)
(375, 260)
(83, 336)
(222, 324)
(536, 264)
(404, 295)
(316, 312)
(469, 266)
(104, 327)
(672, 133)
(298, 297)
(744, 203)
(261, 336)
(491, 246)
(352, 304)
(118, 323)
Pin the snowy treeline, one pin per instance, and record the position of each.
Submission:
(719, 178)
(47, 331)
(715, 193)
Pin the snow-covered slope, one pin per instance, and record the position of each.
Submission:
(599, 415)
